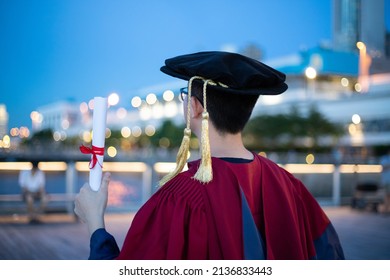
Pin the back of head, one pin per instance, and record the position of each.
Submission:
(229, 112)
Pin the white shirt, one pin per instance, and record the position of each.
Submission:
(30, 181)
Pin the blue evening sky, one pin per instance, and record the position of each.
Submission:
(51, 50)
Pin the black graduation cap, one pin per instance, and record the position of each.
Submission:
(231, 72)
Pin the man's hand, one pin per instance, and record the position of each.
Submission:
(90, 205)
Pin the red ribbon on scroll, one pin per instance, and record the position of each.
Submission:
(94, 151)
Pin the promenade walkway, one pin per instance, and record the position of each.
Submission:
(364, 235)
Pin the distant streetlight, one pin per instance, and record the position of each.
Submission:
(137, 131)
(310, 159)
(311, 74)
(126, 132)
(168, 95)
(84, 108)
(364, 66)
(151, 98)
(361, 46)
(36, 119)
(6, 142)
(136, 101)
(355, 130)
(111, 151)
(344, 82)
(356, 119)
(121, 113)
(150, 130)
(113, 99)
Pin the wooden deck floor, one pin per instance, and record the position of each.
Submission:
(58, 237)
(364, 235)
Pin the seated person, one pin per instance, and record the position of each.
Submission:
(32, 183)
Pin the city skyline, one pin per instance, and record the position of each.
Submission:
(71, 50)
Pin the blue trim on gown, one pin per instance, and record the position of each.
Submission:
(328, 245)
(254, 247)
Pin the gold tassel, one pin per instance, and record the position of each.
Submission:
(181, 157)
(182, 154)
(205, 171)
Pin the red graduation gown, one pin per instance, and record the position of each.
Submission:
(186, 219)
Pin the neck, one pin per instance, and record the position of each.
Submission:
(228, 145)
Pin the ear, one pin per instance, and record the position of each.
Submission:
(196, 108)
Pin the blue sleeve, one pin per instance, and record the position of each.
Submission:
(103, 246)
(328, 246)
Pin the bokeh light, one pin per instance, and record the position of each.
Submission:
(111, 151)
(310, 73)
(356, 119)
(168, 95)
(113, 99)
(136, 101)
(310, 159)
(126, 132)
(151, 98)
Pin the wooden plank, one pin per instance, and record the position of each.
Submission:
(59, 237)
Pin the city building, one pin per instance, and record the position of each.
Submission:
(362, 21)
(354, 21)
(62, 118)
(3, 121)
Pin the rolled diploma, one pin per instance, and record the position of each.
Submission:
(98, 137)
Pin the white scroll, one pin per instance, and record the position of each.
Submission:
(98, 138)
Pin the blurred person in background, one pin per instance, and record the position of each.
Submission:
(32, 183)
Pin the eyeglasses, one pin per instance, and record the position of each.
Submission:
(183, 91)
